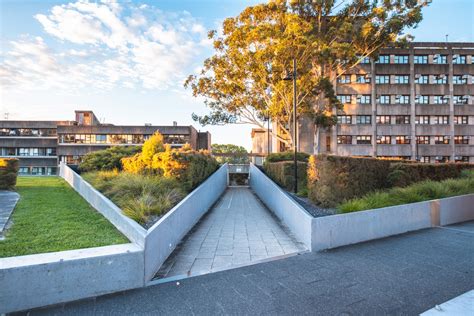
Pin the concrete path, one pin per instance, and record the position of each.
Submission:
(402, 275)
(8, 200)
(239, 230)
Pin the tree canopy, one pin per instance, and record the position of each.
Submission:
(242, 82)
(230, 153)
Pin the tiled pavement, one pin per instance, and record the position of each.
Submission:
(401, 275)
(239, 230)
(8, 200)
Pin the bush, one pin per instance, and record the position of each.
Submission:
(403, 174)
(421, 191)
(8, 173)
(287, 156)
(282, 172)
(107, 159)
(333, 179)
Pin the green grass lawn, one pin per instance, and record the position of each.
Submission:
(50, 216)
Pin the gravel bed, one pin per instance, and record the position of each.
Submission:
(314, 210)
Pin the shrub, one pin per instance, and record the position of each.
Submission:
(8, 173)
(142, 162)
(107, 159)
(282, 172)
(287, 156)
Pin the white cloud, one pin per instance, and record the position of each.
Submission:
(102, 46)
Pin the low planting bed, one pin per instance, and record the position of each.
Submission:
(50, 216)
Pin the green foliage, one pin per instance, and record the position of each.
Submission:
(107, 159)
(287, 156)
(236, 154)
(8, 173)
(50, 216)
(282, 172)
(421, 191)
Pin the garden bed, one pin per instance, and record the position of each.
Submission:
(50, 216)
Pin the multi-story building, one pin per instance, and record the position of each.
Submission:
(412, 103)
(41, 145)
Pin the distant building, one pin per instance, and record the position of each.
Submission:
(261, 144)
(41, 145)
(412, 103)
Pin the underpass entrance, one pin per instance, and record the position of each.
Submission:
(238, 174)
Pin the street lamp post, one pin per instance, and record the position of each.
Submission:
(292, 76)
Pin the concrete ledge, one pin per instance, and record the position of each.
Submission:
(51, 278)
(163, 237)
(456, 209)
(103, 205)
(284, 207)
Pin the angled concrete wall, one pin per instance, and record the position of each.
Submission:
(456, 209)
(163, 237)
(103, 205)
(282, 205)
(51, 278)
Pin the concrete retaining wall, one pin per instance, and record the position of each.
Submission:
(51, 278)
(284, 207)
(456, 209)
(125, 225)
(163, 237)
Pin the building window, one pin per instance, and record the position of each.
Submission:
(23, 171)
(344, 79)
(460, 79)
(424, 159)
(441, 140)
(344, 139)
(461, 140)
(422, 119)
(440, 79)
(365, 60)
(440, 59)
(402, 140)
(441, 119)
(387, 140)
(402, 79)
(422, 99)
(400, 59)
(422, 79)
(364, 119)
(384, 99)
(440, 99)
(442, 159)
(460, 99)
(461, 159)
(402, 119)
(459, 59)
(420, 59)
(383, 59)
(423, 140)
(460, 120)
(402, 99)
(382, 79)
(101, 139)
(383, 119)
(363, 78)
(345, 98)
(344, 119)
(363, 99)
(364, 139)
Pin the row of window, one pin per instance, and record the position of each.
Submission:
(404, 99)
(37, 171)
(402, 139)
(430, 159)
(118, 138)
(403, 119)
(40, 132)
(404, 79)
(27, 151)
(438, 59)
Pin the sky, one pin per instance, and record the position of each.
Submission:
(127, 60)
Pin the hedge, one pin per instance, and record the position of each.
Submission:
(287, 156)
(107, 159)
(8, 173)
(282, 172)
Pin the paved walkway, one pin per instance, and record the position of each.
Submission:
(239, 230)
(402, 275)
(8, 200)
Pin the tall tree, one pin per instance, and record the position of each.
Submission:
(242, 82)
(230, 153)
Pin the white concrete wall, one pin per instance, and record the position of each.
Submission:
(51, 278)
(164, 236)
(456, 209)
(102, 204)
(282, 205)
